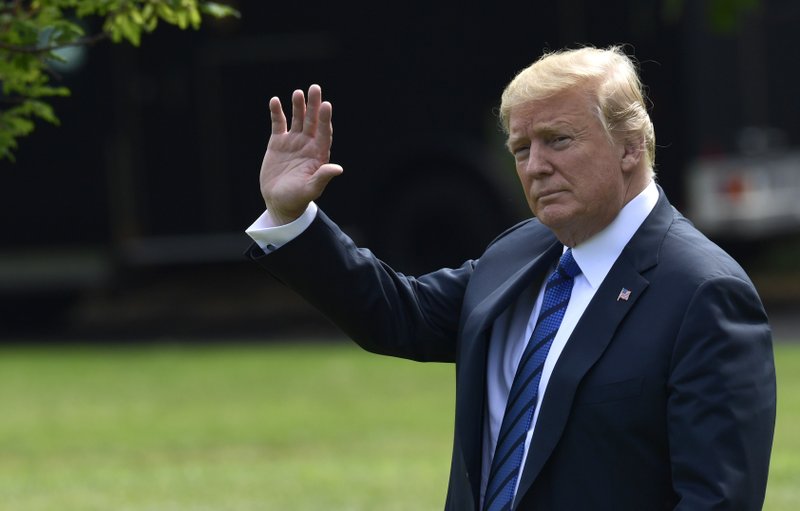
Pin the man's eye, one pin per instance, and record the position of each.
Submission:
(521, 151)
(560, 140)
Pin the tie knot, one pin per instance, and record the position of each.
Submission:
(567, 264)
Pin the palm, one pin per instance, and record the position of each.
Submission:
(289, 163)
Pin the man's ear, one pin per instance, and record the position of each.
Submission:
(632, 153)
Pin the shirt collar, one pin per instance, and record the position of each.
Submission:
(598, 254)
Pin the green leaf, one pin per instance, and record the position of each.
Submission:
(43, 111)
(218, 10)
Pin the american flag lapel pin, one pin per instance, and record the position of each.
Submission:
(624, 294)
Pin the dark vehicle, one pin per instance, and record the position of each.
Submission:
(136, 206)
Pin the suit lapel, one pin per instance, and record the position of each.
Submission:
(498, 299)
(592, 335)
(587, 343)
(471, 375)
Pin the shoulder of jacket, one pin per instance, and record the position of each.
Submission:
(525, 227)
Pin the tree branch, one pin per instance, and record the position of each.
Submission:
(83, 41)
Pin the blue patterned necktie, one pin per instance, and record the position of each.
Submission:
(522, 396)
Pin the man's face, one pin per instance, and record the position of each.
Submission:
(571, 172)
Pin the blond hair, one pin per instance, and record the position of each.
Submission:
(608, 74)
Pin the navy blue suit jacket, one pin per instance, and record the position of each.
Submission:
(665, 400)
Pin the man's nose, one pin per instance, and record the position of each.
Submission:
(538, 163)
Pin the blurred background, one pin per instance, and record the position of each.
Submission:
(127, 221)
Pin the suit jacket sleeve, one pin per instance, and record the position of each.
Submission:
(382, 310)
(721, 405)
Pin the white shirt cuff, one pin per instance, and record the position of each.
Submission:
(271, 237)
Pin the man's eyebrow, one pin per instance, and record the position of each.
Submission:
(514, 141)
(546, 128)
(550, 127)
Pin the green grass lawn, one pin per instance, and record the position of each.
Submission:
(319, 426)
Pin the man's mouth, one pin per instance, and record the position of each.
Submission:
(547, 194)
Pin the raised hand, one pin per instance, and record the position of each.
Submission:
(296, 167)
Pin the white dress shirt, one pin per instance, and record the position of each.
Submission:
(595, 257)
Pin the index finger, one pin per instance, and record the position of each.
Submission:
(277, 116)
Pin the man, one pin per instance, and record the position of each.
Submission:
(638, 375)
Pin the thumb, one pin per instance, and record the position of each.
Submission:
(324, 174)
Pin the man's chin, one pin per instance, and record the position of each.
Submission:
(554, 216)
